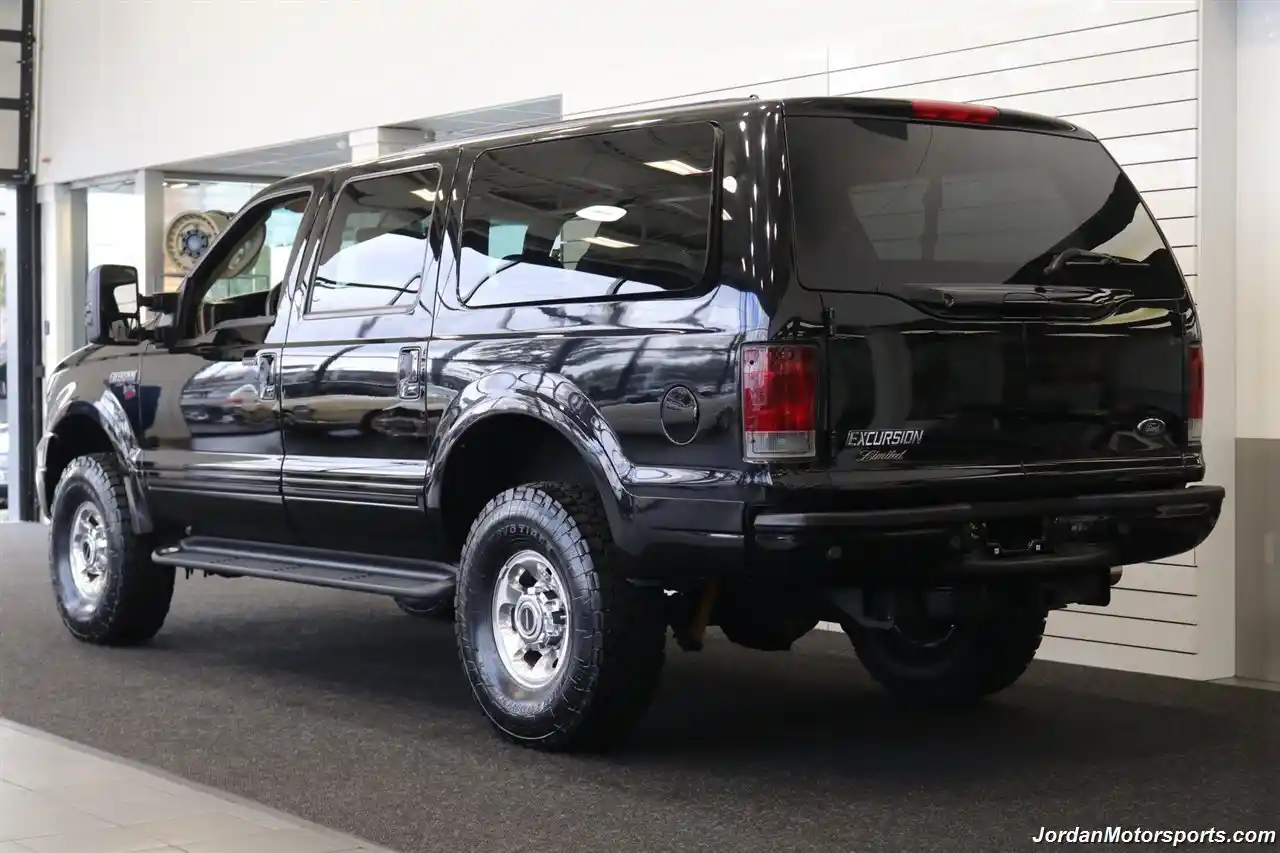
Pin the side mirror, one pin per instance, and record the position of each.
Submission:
(111, 305)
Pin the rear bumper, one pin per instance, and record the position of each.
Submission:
(1192, 501)
(1045, 536)
(973, 539)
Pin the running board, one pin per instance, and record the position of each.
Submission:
(416, 579)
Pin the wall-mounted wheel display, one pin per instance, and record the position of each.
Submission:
(189, 236)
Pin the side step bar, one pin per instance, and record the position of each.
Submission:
(416, 579)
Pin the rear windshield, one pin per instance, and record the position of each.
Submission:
(879, 203)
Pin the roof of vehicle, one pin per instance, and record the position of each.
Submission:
(711, 110)
(692, 111)
(581, 125)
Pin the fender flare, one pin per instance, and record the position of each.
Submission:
(108, 413)
(551, 399)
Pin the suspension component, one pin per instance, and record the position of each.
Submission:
(690, 635)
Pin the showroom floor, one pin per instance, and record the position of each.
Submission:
(339, 709)
(56, 797)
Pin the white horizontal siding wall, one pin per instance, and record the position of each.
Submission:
(1132, 81)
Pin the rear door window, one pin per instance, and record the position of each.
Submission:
(604, 216)
(883, 202)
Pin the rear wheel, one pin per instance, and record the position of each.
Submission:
(107, 590)
(562, 653)
(925, 660)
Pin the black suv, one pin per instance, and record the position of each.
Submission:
(925, 370)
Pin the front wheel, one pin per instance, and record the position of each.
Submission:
(107, 589)
(922, 660)
(563, 654)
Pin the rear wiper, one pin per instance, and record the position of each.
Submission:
(1076, 255)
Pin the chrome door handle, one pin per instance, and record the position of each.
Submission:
(409, 373)
(266, 375)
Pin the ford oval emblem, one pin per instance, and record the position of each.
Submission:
(1151, 427)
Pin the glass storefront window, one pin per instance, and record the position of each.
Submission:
(115, 214)
(114, 225)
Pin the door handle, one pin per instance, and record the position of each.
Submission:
(409, 373)
(266, 362)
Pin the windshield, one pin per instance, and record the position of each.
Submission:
(879, 203)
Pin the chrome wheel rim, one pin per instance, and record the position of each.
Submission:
(531, 620)
(88, 552)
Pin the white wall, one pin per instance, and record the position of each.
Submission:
(127, 84)
(233, 75)
(1258, 291)
(1257, 254)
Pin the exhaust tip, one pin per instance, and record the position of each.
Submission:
(1117, 572)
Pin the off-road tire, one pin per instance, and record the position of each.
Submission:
(613, 665)
(980, 658)
(136, 594)
(438, 611)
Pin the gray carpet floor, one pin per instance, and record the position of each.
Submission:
(339, 709)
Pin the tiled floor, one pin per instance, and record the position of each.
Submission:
(56, 797)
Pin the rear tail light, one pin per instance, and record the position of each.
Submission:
(779, 401)
(1195, 391)
(947, 111)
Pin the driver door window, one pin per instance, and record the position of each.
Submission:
(248, 281)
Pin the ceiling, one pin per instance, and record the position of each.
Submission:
(291, 158)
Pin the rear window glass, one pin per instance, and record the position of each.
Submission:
(883, 202)
(610, 215)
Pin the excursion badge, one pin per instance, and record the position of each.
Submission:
(883, 445)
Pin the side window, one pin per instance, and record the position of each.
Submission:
(375, 247)
(247, 282)
(592, 217)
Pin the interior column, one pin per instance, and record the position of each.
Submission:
(149, 185)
